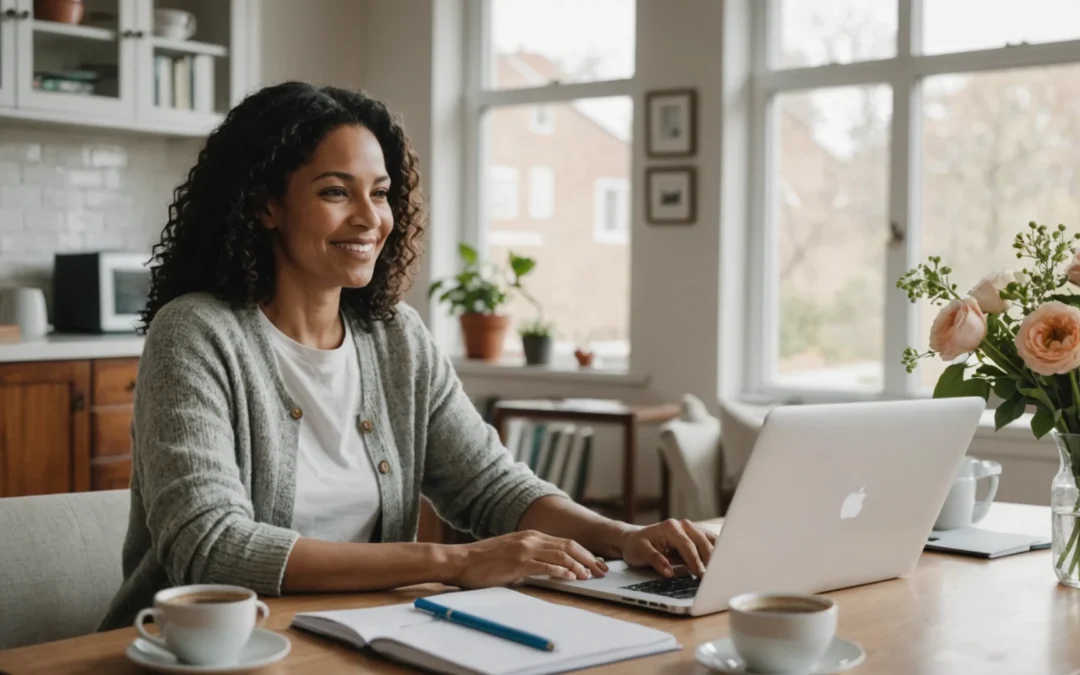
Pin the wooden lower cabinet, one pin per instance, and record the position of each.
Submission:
(44, 428)
(65, 426)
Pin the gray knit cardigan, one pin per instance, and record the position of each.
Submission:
(215, 441)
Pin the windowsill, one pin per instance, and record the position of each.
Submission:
(555, 373)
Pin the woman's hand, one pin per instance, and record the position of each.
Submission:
(501, 561)
(650, 546)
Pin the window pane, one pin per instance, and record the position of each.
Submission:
(537, 43)
(816, 32)
(583, 284)
(830, 206)
(1000, 149)
(948, 25)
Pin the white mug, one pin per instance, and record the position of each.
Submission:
(25, 307)
(782, 632)
(204, 624)
(961, 508)
(175, 24)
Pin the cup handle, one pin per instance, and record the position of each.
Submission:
(986, 469)
(262, 612)
(140, 618)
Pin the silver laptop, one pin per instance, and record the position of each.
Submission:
(833, 496)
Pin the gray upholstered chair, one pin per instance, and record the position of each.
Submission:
(59, 563)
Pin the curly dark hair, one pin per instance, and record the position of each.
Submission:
(214, 240)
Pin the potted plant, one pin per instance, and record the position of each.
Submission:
(476, 294)
(536, 339)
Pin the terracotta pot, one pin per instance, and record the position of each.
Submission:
(62, 11)
(484, 335)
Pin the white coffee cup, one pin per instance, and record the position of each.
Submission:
(204, 624)
(782, 632)
(175, 24)
(961, 509)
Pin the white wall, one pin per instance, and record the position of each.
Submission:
(319, 41)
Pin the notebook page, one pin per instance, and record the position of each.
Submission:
(366, 624)
(582, 638)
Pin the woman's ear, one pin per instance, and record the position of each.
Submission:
(270, 216)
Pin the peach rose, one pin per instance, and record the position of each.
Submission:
(988, 292)
(1072, 272)
(958, 329)
(1049, 338)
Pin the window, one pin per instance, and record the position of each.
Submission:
(542, 121)
(892, 130)
(611, 211)
(541, 192)
(504, 193)
(532, 52)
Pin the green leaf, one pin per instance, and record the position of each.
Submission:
(1067, 298)
(467, 253)
(1037, 394)
(975, 387)
(521, 265)
(1042, 422)
(1009, 410)
(1005, 387)
(950, 382)
(434, 288)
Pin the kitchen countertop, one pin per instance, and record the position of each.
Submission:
(72, 346)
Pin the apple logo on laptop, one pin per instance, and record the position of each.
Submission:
(853, 504)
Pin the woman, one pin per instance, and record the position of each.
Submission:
(290, 412)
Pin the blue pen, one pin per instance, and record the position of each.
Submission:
(480, 624)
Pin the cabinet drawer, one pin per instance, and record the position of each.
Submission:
(111, 475)
(111, 432)
(114, 381)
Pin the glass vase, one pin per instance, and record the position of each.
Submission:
(1065, 507)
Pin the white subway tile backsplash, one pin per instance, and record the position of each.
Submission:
(11, 220)
(20, 151)
(67, 155)
(62, 198)
(20, 196)
(38, 220)
(67, 190)
(10, 173)
(109, 156)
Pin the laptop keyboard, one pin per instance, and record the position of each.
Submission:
(676, 587)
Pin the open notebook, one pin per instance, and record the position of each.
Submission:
(406, 634)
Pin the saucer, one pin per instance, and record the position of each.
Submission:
(264, 647)
(720, 655)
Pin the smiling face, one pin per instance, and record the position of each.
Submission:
(333, 220)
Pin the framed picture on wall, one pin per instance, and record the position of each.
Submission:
(671, 123)
(670, 195)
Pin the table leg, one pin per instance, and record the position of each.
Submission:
(629, 459)
(665, 489)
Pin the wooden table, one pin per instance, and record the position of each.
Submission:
(952, 615)
(600, 412)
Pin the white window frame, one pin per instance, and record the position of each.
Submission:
(541, 192)
(509, 175)
(904, 73)
(600, 189)
(542, 125)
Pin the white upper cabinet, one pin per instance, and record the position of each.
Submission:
(169, 66)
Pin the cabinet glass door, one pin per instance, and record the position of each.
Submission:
(77, 56)
(9, 18)
(189, 65)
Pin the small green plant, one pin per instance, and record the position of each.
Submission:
(536, 328)
(480, 288)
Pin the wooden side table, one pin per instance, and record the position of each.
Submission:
(588, 411)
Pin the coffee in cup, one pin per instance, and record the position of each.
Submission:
(204, 624)
(961, 509)
(782, 632)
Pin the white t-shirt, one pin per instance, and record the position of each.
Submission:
(337, 492)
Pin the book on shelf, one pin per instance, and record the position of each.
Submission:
(184, 82)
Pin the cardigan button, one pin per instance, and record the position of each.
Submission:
(366, 425)
(296, 413)
(384, 467)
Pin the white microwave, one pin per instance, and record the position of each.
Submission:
(99, 292)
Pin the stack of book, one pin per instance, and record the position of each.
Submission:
(559, 453)
(184, 82)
